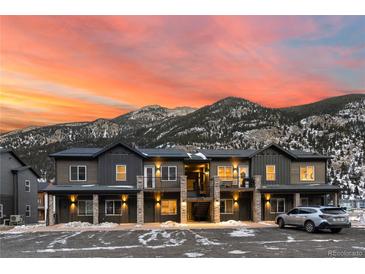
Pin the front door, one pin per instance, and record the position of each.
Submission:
(149, 177)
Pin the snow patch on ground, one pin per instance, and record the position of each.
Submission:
(359, 247)
(203, 240)
(23, 228)
(86, 224)
(232, 223)
(171, 224)
(52, 250)
(62, 240)
(237, 252)
(163, 238)
(193, 254)
(242, 232)
(265, 223)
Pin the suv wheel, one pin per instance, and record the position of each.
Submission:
(309, 226)
(336, 230)
(281, 223)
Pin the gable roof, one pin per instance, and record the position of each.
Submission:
(287, 152)
(160, 152)
(136, 151)
(24, 165)
(227, 153)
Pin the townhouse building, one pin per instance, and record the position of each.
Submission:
(122, 184)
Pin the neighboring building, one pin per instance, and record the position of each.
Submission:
(123, 184)
(18, 188)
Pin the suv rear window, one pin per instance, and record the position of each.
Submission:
(334, 211)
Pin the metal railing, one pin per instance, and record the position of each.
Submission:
(236, 182)
(160, 183)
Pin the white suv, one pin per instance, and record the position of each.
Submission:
(313, 218)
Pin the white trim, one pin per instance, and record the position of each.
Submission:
(168, 173)
(225, 206)
(225, 167)
(306, 167)
(105, 208)
(85, 201)
(153, 176)
(28, 210)
(25, 185)
(1, 211)
(116, 173)
(267, 173)
(77, 173)
(169, 214)
(277, 205)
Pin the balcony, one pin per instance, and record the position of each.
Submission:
(235, 183)
(157, 184)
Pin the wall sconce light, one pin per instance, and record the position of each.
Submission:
(235, 196)
(73, 198)
(124, 197)
(267, 197)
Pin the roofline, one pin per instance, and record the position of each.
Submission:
(136, 151)
(276, 146)
(21, 161)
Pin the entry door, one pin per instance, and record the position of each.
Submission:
(242, 175)
(149, 177)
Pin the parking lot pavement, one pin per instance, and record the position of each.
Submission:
(186, 243)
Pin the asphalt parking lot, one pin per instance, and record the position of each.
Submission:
(185, 243)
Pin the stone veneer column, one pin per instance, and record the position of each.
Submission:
(183, 200)
(140, 200)
(51, 213)
(216, 200)
(296, 199)
(95, 209)
(256, 201)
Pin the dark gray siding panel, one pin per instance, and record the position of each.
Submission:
(162, 162)
(319, 172)
(119, 156)
(28, 198)
(272, 157)
(63, 171)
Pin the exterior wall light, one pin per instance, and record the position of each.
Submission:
(124, 198)
(73, 198)
(267, 197)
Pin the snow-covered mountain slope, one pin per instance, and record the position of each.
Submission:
(335, 126)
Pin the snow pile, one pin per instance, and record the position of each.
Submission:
(86, 224)
(232, 223)
(171, 224)
(237, 252)
(24, 228)
(242, 232)
(107, 224)
(193, 254)
(162, 238)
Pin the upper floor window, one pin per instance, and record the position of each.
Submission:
(85, 207)
(168, 173)
(77, 173)
(226, 206)
(270, 173)
(121, 172)
(27, 211)
(307, 173)
(225, 172)
(27, 186)
(1, 211)
(168, 207)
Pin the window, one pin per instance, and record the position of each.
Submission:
(168, 173)
(84, 207)
(121, 172)
(277, 205)
(27, 186)
(1, 211)
(304, 201)
(270, 173)
(226, 206)
(113, 207)
(225, 172)
(77, 173)
(27, 211)
(307, 173)
(168, 207)
(243, 175)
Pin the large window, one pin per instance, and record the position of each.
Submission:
(121, 172)
(27, 186)
(277, 205)
(168, 173)
(1, 211)
(77, 173)
(270, 173)
(27, 211)
(84, 207)
(307, 173)
(226, 206)
(168, 207)
(113, 207)
(225, 172)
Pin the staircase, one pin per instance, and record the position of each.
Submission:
(201, 211)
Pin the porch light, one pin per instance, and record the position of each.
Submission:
(235, 196)
(124, 197)
(73, 198)
(267, 197)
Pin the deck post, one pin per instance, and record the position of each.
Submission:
(183, 200)
(296, 199)
(95, 209)
(51, 209)
(140, 200)
(256, 200)
(216, 199)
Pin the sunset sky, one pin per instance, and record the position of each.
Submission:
(59, 69)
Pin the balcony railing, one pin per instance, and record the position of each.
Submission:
(235, 182)
(159, 183)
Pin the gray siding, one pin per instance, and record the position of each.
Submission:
(119, 156)
(63, 171)
(166, 184)
(272, 157)
(319, 172)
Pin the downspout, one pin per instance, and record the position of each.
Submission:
(15, 193)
